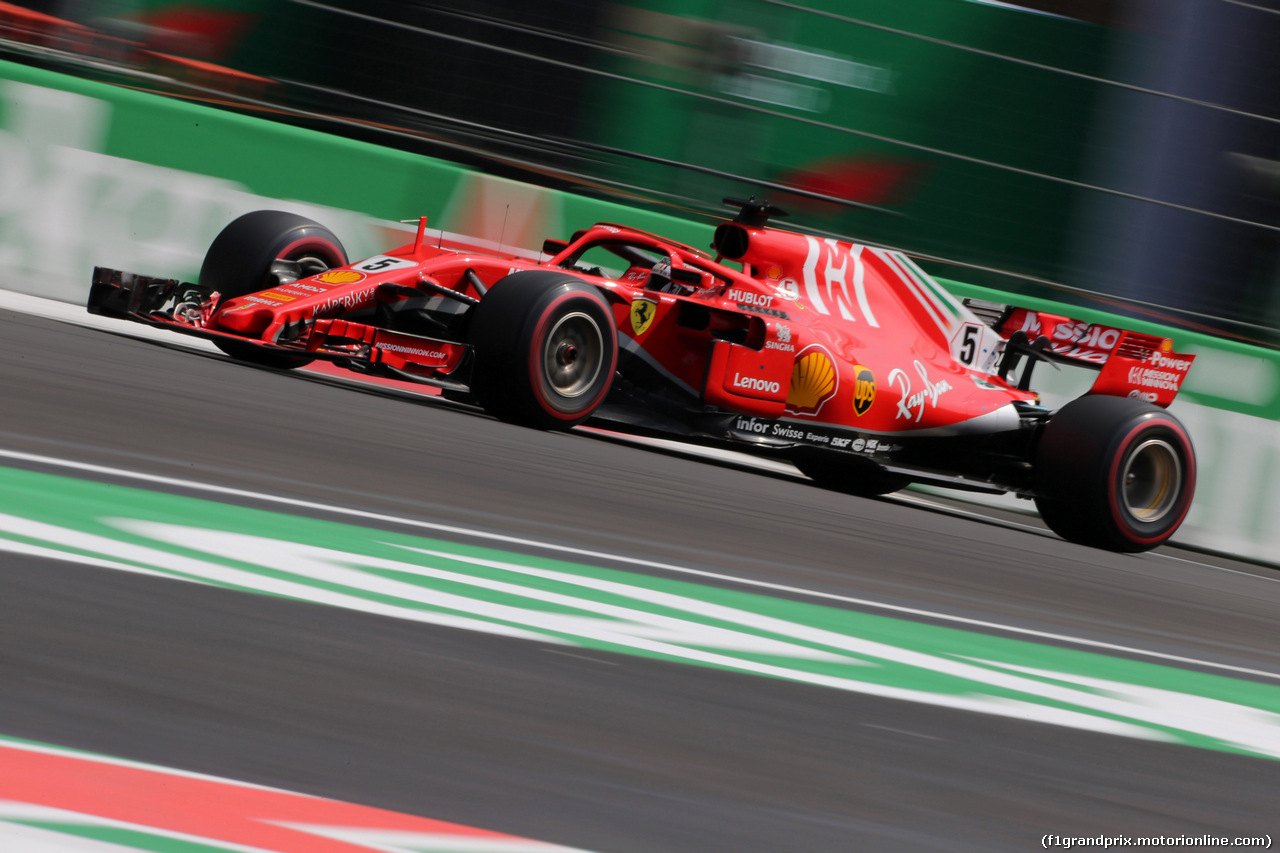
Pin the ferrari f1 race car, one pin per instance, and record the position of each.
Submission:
(848, 360)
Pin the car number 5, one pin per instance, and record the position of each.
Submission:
(969, 338)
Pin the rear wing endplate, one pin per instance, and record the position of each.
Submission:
(1130, 364)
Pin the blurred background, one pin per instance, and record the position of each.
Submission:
(1119, 153)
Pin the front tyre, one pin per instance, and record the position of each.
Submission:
(240, 259)
(546, 349)
(1114, 473)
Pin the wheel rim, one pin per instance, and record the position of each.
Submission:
(309, 255)
(1151, 480)
(573, 355)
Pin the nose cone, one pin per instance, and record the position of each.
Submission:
(243, 318)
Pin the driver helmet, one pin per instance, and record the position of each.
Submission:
(660, 278)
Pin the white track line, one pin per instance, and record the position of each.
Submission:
(457, 530)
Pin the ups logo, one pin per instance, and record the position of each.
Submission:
(864, 389)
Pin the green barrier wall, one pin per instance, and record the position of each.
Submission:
(93, 174)
(786, 84)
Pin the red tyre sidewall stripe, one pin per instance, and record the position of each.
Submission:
(1188, 485)
(314, 241)
(535, 361)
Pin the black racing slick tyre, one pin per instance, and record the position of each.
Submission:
(239, 262)
(1114, 473)
(546, 350)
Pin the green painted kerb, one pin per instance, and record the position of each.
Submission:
(552, 601)
(128, 839)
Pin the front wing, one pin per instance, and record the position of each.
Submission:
(185, 308)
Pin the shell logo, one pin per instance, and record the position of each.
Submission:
(813, 381)
(340, 277)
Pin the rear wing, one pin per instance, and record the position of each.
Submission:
(1129, 364)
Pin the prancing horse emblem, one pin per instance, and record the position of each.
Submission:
(642, 313)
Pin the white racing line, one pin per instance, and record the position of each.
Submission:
(605, 556)
(78, 316)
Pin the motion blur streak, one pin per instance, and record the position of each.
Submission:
(503, 593)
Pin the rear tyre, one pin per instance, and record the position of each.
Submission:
(239, 262)
(1114, 473)
(546, 349)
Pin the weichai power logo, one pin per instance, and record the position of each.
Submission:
(813, 381)
(864, 389)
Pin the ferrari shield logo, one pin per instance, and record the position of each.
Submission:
(642, 312)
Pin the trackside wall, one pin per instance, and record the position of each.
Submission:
(92, 174)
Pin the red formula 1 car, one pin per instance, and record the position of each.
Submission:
(848, 360)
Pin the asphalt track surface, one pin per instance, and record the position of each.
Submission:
(605, 752)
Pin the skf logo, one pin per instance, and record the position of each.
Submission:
(813, 381)
(642, 313)
(864, 389)
(340, 277)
